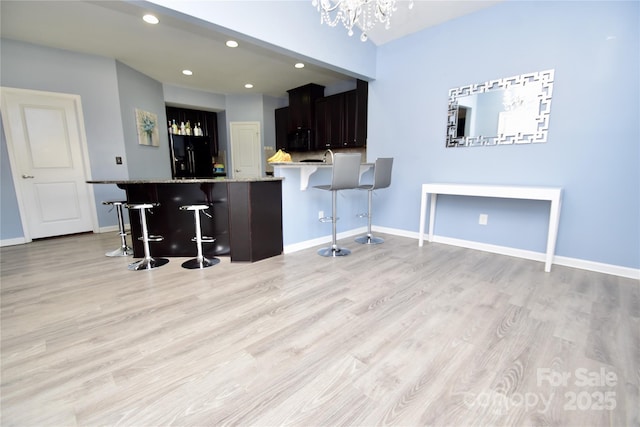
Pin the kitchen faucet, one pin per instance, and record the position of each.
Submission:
(324, 158)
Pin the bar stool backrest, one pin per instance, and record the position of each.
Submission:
(346, 171)
(382, 172)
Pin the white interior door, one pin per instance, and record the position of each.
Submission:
(245, 149)
(47, 151)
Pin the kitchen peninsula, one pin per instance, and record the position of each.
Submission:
(246, 216)
(304, 204)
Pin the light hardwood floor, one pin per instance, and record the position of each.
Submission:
(392, 335)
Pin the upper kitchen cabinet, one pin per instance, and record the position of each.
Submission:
(341, 119)
(302, 102)
(362, 117)
(282, 127)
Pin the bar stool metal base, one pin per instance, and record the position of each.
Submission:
(200, 261)
(369, 240)
(122, 251)
(333, 252)
(147, 264)
(195, 263)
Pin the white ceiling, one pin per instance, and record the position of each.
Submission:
(114, 29)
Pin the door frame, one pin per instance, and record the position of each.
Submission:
(260, 144)
(13, 162)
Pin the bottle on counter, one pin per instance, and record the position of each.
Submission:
(174, 127)
(183, 130)
(187, 128)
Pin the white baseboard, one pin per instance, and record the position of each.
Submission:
(599, 267)
(322, 240)
(13, 242)
(615, 270)
(22, 240)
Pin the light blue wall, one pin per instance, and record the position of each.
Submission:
(593, 145)
(138, 91)
(10, 223)
(29, 66)
(189, 98)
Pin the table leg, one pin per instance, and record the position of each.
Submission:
(554, 220)
(432, 216)
(423, 214)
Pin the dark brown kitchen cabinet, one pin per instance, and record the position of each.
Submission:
(349, 117)
(337, 122)
(302, 102)
(329, 123)
(362, 102)
(255, 220)
(245, 221)
(282, 127)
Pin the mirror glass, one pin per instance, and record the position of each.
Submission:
(513, 110)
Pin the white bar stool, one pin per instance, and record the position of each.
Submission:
(200, 261)
(381, 179)
(124, 249)
(345, 176)
(147, 263)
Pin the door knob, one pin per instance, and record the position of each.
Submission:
(237, 170)
(27, 176)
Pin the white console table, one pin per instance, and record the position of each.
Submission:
(552, 194)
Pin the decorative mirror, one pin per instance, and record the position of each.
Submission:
(513, 110)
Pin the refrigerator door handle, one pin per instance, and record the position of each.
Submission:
(192, 162)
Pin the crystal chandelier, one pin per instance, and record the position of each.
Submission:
(363, 13)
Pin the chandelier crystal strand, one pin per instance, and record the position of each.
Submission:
(363, 13)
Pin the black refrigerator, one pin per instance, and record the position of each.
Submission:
(191, 156)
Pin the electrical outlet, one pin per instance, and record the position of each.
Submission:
(484, 219)
(320, 214)
(118, 160)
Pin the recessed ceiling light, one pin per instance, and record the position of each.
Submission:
(187, 72)
(299, 65)
(248, 85)
(232, 43)
(150, 19)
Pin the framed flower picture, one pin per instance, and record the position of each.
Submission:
(147, 125)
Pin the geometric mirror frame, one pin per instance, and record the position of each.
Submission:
(512, 110)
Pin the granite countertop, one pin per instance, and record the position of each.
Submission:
(315, 164)
(183, 181)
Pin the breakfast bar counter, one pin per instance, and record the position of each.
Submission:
(309, 168)
(246, 216)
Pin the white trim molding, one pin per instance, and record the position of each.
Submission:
(598, 267)
(13, 242)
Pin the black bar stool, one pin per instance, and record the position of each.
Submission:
(345, 176)
(381, 179)
(147, 263)
(200, 261)
(124, 249)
